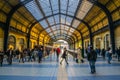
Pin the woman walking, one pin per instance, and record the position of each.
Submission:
(79, 55)
(64, 56)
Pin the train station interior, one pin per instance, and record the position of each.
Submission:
(26, 26)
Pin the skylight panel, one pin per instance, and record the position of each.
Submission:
(62, 26)
(57, 19)
(71, 30)
(46, 7)
(48, 30)
(58, 26)
(66, 27)
(54, 28)
(51, 20)
(63, 19)
(72, 6)
(55, 6)
(68, 20)
(63, 5)
(84, 8)
(76, 23)
(44, 23)
(34, 10)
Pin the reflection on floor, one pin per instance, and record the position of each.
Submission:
(50, 69)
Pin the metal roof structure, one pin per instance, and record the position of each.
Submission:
(59, 19)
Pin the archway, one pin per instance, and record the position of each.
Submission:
(11, 42)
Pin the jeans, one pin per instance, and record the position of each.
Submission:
(92, 66)
(109, 59)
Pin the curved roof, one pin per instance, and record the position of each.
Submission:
(80, 17)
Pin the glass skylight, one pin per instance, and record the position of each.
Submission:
(84, 8)
(34, 10)
(62, 27)
(67, 7)
(44, 23)
(57, 19)
(53, 28)
(48, 30)
(63, 19)
(55, 6)
(45, 4)
(76, 23)
(72, 6)
(51, 20)
(66, 27)
(58, 26)
(63, 5)
(68, 20)
(71, 30)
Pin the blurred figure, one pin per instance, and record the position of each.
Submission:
(118, 54)
(58, 53)
(40, 53)
(103, 53)
(10, 55)
(79, 55)
(92, 57)
(109, 55)
(64, 56)
(1, 57)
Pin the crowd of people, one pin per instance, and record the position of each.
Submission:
(39, 52)
(29, 55)
(107, 54)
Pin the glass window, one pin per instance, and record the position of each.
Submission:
(55, 6)
(63, 5)
(44, 23)
(53, 28)
(72, 6)
(68, 20)
(84, 8)
(75, 23)
(71, 30)
(58, 26)
(63, 19)
(46, 7)
(57, 20)
(33, 9)
(66, 27)
(48, 30)
(62, 26)
(51, 20)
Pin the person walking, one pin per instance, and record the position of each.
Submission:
(109, 55)
(103, 53)
(1, 57)
(40, 54)
(64, 56)
(92, 57)
(10, 56)
(79, 56)
(118, 54)
(58, 53)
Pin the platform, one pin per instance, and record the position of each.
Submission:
(50, 69)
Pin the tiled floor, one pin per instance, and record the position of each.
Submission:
(52, 70)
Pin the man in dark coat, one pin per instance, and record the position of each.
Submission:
(10, 55)
(92, 56)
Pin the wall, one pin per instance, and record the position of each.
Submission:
(1, 38)
(117, 36)
(18, 37)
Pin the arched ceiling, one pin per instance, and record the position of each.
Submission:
(35, 16)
